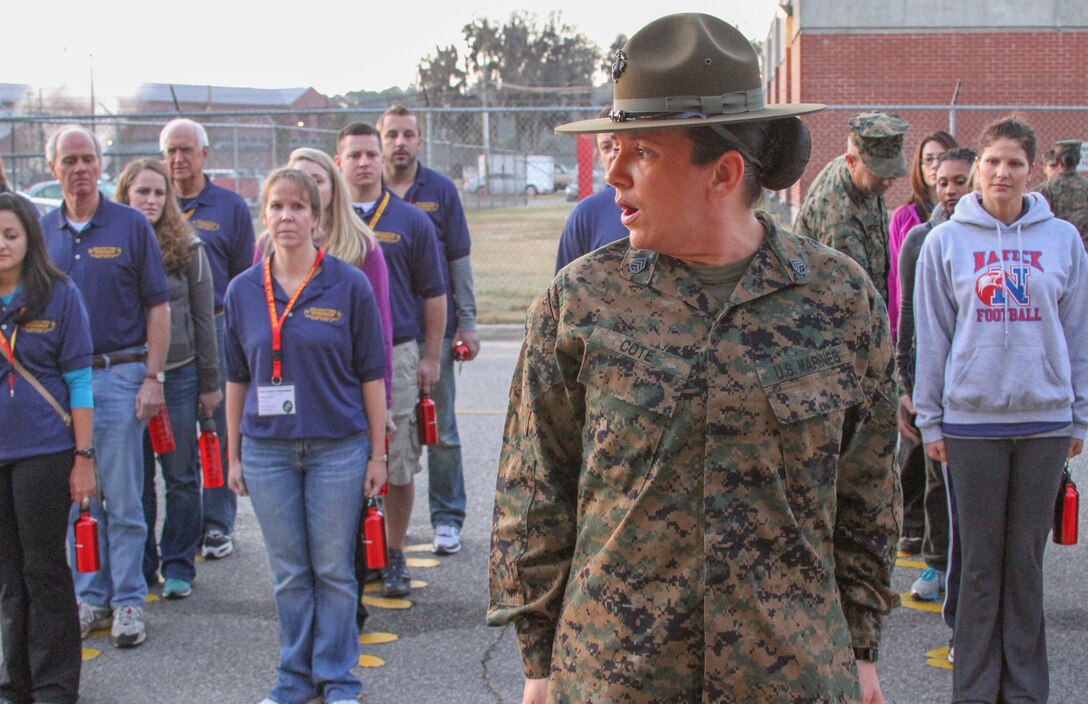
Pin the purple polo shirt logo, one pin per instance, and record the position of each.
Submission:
(104, 252)
(323, 315)
(389, 237)
(426, 206)
(40, 327)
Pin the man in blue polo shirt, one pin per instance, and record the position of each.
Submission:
(436, 196)
(595, 221)
(220, 218)
(111, 254)
(411, 253)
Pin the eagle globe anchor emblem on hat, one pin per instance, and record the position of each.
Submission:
(695, 70)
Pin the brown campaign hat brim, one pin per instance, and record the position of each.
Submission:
(769, 112)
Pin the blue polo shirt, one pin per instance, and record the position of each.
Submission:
(436, 196)
(116, 263)
(221, 218)
(56, 342)
(593, 223)
(416, 269)
(331, 344)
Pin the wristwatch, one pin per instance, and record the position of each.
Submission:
(87, 452)
(159, 377)
(866, 654)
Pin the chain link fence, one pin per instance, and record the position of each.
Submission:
(518, 179)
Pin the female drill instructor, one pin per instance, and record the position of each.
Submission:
(695, 498)
(45, 465)
(305, 411)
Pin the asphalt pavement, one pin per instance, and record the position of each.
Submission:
(220, 645)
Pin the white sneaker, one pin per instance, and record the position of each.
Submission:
(217, 545)
(93, 618)
(447, 540)
(128, 627)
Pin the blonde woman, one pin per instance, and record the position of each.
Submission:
(345, 236)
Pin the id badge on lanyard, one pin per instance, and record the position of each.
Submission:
(277, 398)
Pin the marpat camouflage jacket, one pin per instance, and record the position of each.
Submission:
(835, 212)
(697, 504)
(1068, 198)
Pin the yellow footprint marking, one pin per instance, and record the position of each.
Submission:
(910, 563)
(908, 602)
(370, 661)
(376, 638)
(381, 603)
(422, 562)
(90, 654)
(423, 547)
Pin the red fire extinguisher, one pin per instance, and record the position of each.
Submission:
(374, 535)
(210, 460)
(86, 540)
(426, 423)
(162, 435)
(1065, 511)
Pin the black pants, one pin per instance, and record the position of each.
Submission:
(912, 475)
(40, 621)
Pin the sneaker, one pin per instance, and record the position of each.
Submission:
(952, 654)
(128, 627)
(447, 540)
(910, 545)
(93, 618)
(928, 586)
(176, 589)
(396, 582)
(217, 545)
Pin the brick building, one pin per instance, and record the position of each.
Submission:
(873, 53)
(251, 144)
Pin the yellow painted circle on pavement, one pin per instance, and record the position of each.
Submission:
(377, 638)
(377, 587)
(370, 661)
(422, 562)
(90, 654)
(909, 602)
(381, 603)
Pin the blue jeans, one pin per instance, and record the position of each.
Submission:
(445, 471)
(122, 531)
(308, 497)
(220, 504)
(181, 530)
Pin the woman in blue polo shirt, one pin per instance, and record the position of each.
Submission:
(44, 327)
(305, 416)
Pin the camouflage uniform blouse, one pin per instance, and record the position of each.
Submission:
(835, 212)
(1068, 198)
(697, 504)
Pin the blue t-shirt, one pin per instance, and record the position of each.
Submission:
(412, 256)
(116, 263)
(593, 223)
(57, 342)
(331, 343)
(436, 196)
(221, 218)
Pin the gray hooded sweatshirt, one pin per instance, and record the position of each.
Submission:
(1001, 314)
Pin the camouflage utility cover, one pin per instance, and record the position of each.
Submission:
(697, 504)
(1068, 198)
(879, 139)
(835, 212)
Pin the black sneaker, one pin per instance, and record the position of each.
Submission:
(396, 581)
(217, 545)
(910, 545)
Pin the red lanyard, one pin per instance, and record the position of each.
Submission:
(277, 323)
(9, 351)
(378, 213)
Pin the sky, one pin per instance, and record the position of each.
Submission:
(283, 45)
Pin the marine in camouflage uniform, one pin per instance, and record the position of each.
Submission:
(1067, 192)
(840, 213)
(695, 500)
(697, 504)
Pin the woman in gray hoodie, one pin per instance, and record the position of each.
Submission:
(1001, 390)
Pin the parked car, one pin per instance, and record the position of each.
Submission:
(563, 176)
(52, 190)
(496, 184)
